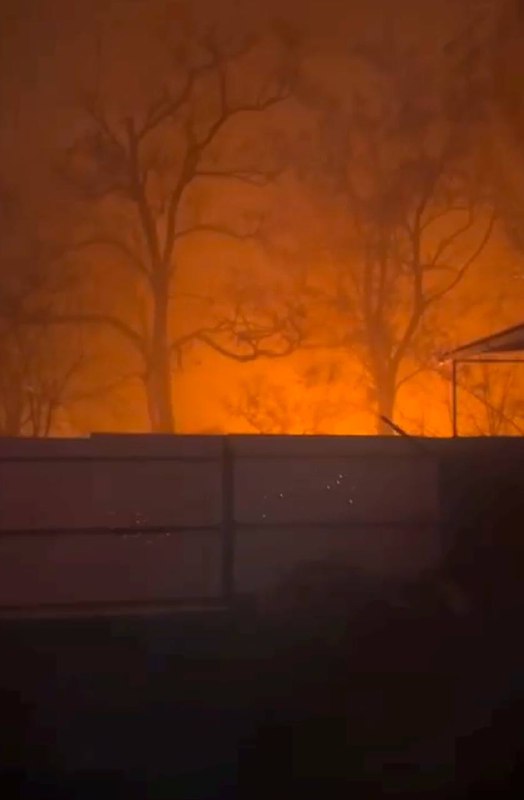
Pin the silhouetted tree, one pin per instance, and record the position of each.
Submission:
(39, 368)
(306, 405)
(402, 158)
(485, 48)
(38, 380)
(490, 403)
(141, 174)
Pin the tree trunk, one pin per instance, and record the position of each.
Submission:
(158, 379)
(13, 413)
(386, 396)
(158, 393)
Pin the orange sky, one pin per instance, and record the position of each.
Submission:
(44, 55)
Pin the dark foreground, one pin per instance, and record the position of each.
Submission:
(339, 688)
(350, 696)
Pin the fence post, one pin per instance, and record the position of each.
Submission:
(228, 520)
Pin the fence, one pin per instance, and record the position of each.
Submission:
(117, 521)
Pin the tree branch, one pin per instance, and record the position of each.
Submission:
(467, 264)
(252, 177)
(411, 375)
(250, 339)
(442, 215)
(78, 397)
(216, 230)
(227, 114)
(447, 241)
(95, 110)
(139, 195)
(255, 353)
(108, 241)
(106, 320)
(167, 106)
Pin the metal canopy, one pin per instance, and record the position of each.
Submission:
(510, 340)
(489, 349)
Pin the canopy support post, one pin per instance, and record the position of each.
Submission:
(454, 399)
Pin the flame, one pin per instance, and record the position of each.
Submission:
(322, 391)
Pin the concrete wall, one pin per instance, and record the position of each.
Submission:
(369, 503)
(142, 519)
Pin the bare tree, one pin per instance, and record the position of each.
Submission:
(44, 375)
(144, 173)
(38, 379)
(492, 404)
(300, 406)
(402, 156)
(38, 367)
(485, 48)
